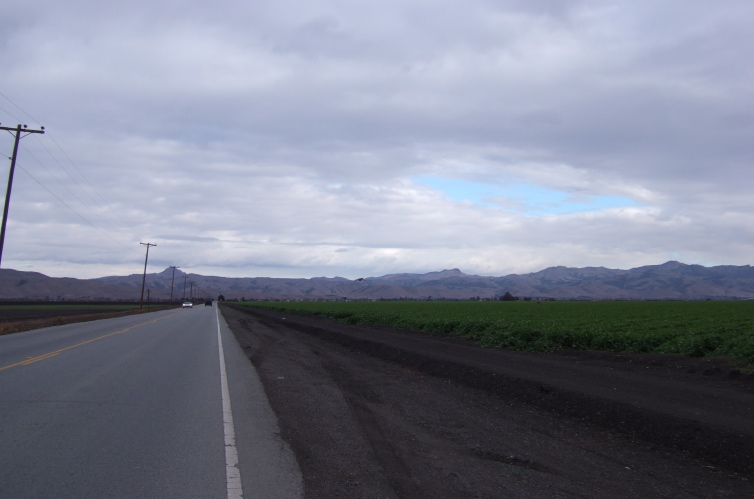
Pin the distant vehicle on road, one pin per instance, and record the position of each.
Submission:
(208, 303)
(187, 304)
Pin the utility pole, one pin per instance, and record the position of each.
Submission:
(144, 277)
(184, 286)
(19, 129)
(171, 282)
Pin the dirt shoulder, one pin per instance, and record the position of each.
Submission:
(380, 412)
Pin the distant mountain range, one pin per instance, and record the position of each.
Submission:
(671, 280)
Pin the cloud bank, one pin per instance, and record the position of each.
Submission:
(298, 139)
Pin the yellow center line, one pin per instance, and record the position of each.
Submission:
(31, 360)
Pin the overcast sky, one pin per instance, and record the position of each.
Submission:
(356, 138)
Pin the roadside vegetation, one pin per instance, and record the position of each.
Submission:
(690, 328)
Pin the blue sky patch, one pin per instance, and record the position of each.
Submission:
(524, 198)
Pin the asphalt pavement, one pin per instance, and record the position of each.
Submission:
(163, 404)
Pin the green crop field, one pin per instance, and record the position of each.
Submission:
(695, 329)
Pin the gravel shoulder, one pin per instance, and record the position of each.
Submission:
(380, 412)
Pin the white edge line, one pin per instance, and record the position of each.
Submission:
(232, 473)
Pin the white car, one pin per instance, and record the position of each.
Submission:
(187, 304)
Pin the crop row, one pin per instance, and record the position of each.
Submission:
(696, 329)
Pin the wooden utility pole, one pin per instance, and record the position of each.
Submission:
(144, 277)
(19, 130)
(172, 280)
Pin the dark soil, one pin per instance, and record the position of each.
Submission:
(380, 412)
(15, 321)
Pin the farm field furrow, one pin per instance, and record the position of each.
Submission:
(22, 317)
(690, 328)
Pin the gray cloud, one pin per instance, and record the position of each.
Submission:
(287, 138)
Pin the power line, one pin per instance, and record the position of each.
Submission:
(11, 114)
(74, 211)
(19, 108)
(116, 217)
(64, 186)
(100, 208)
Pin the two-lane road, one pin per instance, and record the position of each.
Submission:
(163, 404)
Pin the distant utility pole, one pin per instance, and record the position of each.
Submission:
(184, 286)
(19, 130)
(144, 277)
(171, 282)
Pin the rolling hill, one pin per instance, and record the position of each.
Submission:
(671, 280)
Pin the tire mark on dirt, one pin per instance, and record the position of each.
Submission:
(360, 398)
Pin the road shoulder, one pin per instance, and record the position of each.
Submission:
(383, 396)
